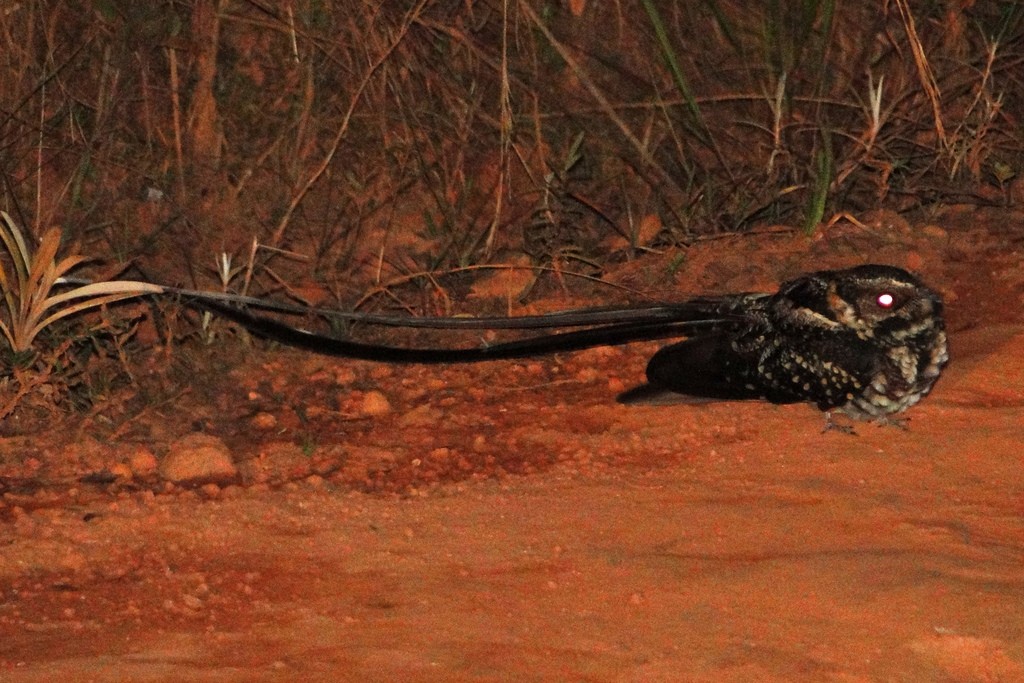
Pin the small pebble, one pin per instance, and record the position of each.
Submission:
(198, 458)
(264, 422)
(375, 404)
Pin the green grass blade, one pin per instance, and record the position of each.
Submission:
(824, 168)
(696, 117)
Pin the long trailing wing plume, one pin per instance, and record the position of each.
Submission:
(612, 334)
(580, 317)
(691, 310)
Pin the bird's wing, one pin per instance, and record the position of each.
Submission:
(704, 366)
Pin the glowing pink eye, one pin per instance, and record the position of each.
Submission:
(886, 300)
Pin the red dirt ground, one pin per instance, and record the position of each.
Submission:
(510, 521)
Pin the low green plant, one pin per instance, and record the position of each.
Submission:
(36, 294)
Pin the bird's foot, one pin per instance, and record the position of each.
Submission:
(832, 426)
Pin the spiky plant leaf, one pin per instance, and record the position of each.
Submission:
(31, 304)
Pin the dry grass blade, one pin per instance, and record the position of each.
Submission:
(924, 71)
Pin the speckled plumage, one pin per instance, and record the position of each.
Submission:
(867, 341)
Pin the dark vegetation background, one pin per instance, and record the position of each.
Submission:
(376, 151)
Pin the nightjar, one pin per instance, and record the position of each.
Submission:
(868, 341)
